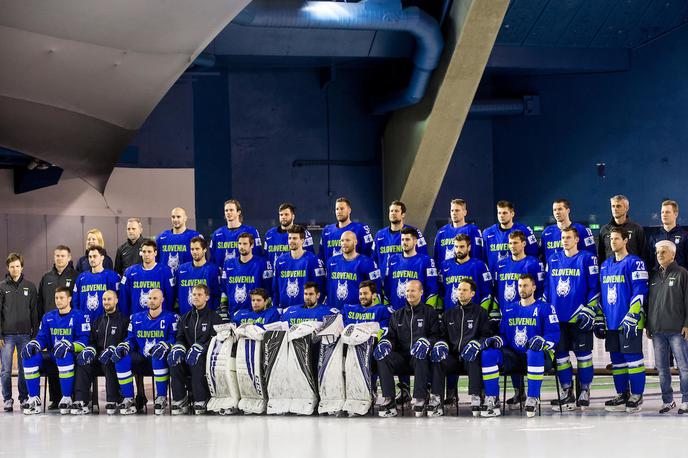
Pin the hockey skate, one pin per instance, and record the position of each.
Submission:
(419, 406)
(160, 405)
(180, 407)
(475, 405)
(404, 395)
(566, 400)
(617, 404)
(452, 397)
(111, 408)
(435, 406)
(127, 407)
(199, 408)
(683, 409)
(80, 408)
(32, 406)
(491, 407)
(667, 406)
(387, 409)
(515, 402)
(583, 398)
(65, 405)
(532, 406)
(634, 403)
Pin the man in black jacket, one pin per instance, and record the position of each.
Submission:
(464, 328)
(188, 355)
(620, 219)
(109, 330)
(669, 230)
(18, 324)
(128, 253)
(62, 274)
(412, 332)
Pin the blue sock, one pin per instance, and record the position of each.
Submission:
(636, 372)
(536, 371)
(65, 368)
(32, 374)
(585, 369)
(125, 377)
(619, 371)
(491, 359)
(161, 375)
(564, 369)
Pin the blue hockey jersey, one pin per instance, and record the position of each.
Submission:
(475, 269)
(74, 327)
(175, 249)
(388, 242)
(520, 323)
(444, 242)
(136, 285)
(292, 274)
(248, 316)
(550, 242)
(344, 277)
(401, 270)
(623, 289)
(508, 272)
(239, 278)
(276, 243)
(224, 243)
(330, 243)
(299, 313)
(89, 289)
(572, 283)
(188, 276)
(144, 332)
(496, 243)
(356, 313)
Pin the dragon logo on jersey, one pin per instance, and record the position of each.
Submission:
(240, 294)
(143, 299)
(563, 287)
(189, 297)
(401, 288)
(148, 346)
(342, 290)
(173, 261)
(455, 293)
(510, 291)
(292, 288)
(521, 336)
(92, 301)
(611, 294)
(449, 254)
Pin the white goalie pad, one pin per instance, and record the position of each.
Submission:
(331, 366)
(302, 384)
(221, 371)
(360, 339)
(249, 369)
(275, 355)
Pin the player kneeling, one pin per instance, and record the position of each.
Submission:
(187, 358)
(107, 332)
(150, 335)
(63, 333)
(464, 328)
(413, 329)
(528, 334)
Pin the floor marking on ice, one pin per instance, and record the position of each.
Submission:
(560, 428)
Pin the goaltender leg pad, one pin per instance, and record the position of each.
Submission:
(301, 376)
(249, 367)
(331, 366)
(275, 351)
(221, 371)
(360, 339)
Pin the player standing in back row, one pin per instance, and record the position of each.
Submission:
(496, 237)
(330, 241)
(550, 242)
(444, 240)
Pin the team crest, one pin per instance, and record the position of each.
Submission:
(563, 287)
(92, 302)
(148, 346)
(455, 293)
(342, 290)
(521, 336)
(510, 291)
(240, 294)
(173, 261)
(449, 253)
(229, 255)
(143, 299)
(292, 288)
(401, 288)
(611, 294)
(469, 324)
(501, 256)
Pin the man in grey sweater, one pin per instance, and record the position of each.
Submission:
(667, 322)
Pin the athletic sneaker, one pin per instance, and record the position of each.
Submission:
(683, 409)
(387, 409)
(9, 405)
(127, 407)
(435, 406)
(491, 407)
(199, 407)
(634, 403)
(32, 406)
(80, 408)
(180, 407)
(617, 404)
(566, 400)
(404, 395)
(531, 406)
(667, 406)
(160, 405)
(516, 400)
(418, 407)
(111, 408)
(583, 398)
(65, 405)
(475, 405)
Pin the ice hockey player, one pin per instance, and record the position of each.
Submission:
(140, 279)
(367, 309)
(223, 243)
(462, 266)
(174, 245)
(276, 238)
(550, 242)
(332, 233)
(259, 313)
(92, 284)
(310, 309)
(197, 272)
(444, 239)
(346, 270)
(496, 237)
(388, 239)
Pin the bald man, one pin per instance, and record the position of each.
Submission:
(174, 245)
(346, 271)
(405, 350)
(108, 331)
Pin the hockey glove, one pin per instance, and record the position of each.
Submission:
(62, 347)
(107, 354)
(177, 354)
(30, 349)
(470, 351)
(493, 342)
(630, 325)
(86, 356)
(495, 314)
(599, 328)
(159, 350)
(194, 354)
(440, 351)
(421, 348)
(537, 343)
(383, 349)
(121, 351)
(585, 319)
